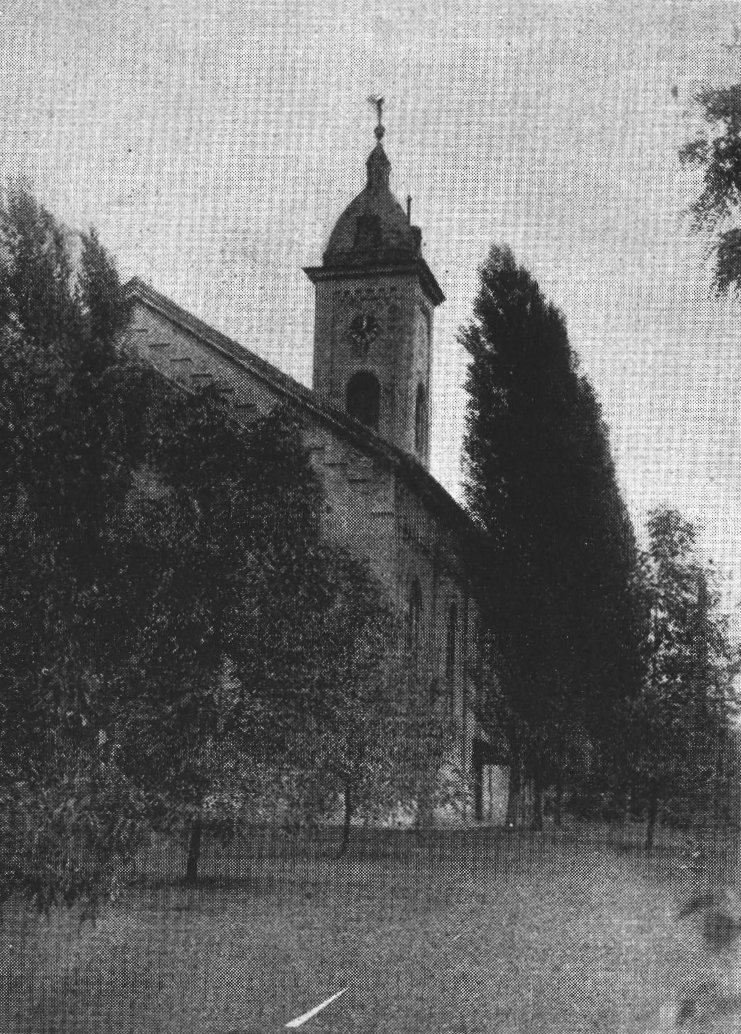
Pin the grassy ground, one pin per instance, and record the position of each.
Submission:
(458, 933)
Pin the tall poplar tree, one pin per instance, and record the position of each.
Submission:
(559, 575)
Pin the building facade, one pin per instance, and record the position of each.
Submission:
(366, 424)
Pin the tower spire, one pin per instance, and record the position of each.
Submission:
(375, 301)
(378, 165)
(378, 103)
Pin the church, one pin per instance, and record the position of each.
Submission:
(365, 423)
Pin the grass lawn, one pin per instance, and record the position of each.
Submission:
(455, 933)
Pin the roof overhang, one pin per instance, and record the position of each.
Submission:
(418, 268)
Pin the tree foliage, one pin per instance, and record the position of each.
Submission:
(170, 622)
(681, 717)
(73, 432)
(541, 481)
(717, 152)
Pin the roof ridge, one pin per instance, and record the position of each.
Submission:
(413, 473)
(234, 348)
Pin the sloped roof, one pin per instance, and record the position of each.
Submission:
(297, 395)
(374, 228)
(375, 233)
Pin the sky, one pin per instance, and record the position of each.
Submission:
(214, 143)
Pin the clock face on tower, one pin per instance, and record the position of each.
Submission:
(363, 331)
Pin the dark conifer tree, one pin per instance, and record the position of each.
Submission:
(559, 576)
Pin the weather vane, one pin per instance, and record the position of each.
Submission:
(378, 103)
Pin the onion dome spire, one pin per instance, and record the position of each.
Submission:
(374, 232)
(378, 165)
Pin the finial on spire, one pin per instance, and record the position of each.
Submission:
(378, 103)
(378, 164)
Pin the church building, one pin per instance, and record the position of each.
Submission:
(366, 425)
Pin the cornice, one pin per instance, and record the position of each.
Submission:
(418, 268)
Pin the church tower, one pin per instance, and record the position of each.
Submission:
(375, 300)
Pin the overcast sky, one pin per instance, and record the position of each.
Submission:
(213, 144)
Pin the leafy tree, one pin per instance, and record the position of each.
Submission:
(717, 152)
(368, 753)
(289, 647)
(222, 580)
(681, 717)
(168, 615)
(541, 482)
(72, 432)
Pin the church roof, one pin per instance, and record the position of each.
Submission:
(298, 396)
(374, 228)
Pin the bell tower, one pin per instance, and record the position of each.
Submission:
(375, 303)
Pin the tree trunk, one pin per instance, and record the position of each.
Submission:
(653, 809)
(425, 816)
(621, 803)
(558, 801)
(349, 808)
(194, 849)
(513, 792)
(726, 846)
(537, 823)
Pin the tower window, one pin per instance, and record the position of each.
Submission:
(420, 420)
(364, 398)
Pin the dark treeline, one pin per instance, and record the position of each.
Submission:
(612, 659)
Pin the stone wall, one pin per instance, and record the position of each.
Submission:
(398, 354)
(369, 507)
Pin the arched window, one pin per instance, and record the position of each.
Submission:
(450, 653)
(420, 420)
(363, 400)
(415, 613)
